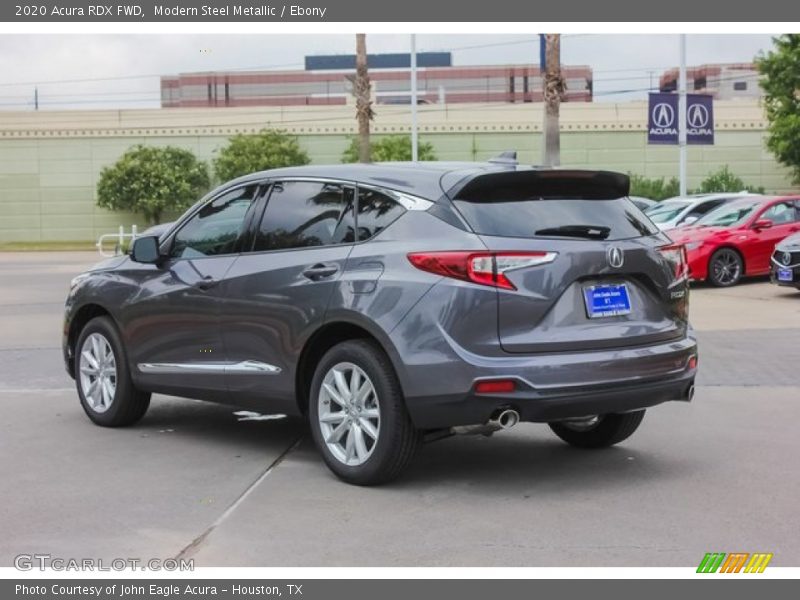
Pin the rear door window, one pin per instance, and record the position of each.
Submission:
(301, 214)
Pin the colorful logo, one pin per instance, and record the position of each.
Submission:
(736, 562)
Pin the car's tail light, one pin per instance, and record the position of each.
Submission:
(676, 256)
(485, 268)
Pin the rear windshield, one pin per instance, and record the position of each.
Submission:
(557, 217)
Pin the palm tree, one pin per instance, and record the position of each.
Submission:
(554, 87)
(364, 112)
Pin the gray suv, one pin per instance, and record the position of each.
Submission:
(393, 304)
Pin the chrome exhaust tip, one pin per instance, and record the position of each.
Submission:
(690, 392)
(507, 419)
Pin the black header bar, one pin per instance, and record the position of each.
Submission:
(441, 11)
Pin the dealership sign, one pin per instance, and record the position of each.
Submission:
(662, 119)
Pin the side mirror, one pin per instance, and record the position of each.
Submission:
(689, 220)
(145, 250)
(762, 224)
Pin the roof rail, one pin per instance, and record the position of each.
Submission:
(509, 157)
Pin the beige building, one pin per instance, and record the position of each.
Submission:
(731, 81)
(50, 161)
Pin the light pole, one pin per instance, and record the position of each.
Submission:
(682, 115)
(414, 133)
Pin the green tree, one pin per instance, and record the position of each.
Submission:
(391, 148)
(725, 181)
(268, 149)
(655, 189)
(151, 181)
(780, 80)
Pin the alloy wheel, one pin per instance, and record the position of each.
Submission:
(726, 267)
(98, 372)
(349, 414)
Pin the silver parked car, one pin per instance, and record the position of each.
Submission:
(683, 211)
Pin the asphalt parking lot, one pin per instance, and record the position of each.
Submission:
(719, 474)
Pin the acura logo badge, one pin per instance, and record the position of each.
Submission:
(786, 257)
(697, 116)
(615, 257)
(663, 115)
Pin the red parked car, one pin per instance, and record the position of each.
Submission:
(737, 239)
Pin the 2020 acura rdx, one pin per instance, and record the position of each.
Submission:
(395, 303)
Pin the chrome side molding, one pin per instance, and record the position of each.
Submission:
(253, 367)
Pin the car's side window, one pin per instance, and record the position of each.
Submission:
(301, 214)
(781, 213)
(703, 208)
(215, 228)
(376, 211)
(706, 207)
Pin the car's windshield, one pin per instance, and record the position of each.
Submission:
(728, 215)
(665, 211)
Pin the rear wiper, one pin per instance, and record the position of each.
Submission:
(593, 232)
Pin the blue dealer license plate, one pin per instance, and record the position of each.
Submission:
(607, 301)
(785, 275)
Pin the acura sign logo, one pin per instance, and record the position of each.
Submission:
(697, 116)
(663, 115)
(615, 257)
(664, 118)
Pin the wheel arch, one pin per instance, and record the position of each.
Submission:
(79, 319)
(328, 335)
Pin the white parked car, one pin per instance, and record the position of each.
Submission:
(681, 211)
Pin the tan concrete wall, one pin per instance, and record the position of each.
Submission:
(50, 161)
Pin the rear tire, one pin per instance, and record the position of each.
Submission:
(609, 430)
(362, 430)
(103, 379)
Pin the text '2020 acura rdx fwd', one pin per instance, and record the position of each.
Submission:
(395, 303)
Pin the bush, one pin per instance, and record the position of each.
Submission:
(725, 181)
(268, 149)
(393, 148)
(655, 189)
(151, 181)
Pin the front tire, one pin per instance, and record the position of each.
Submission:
(358, 416)
(725, 268)
(606, 431)
(104, 384)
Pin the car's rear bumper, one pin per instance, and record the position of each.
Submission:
(555, 386)
(553, 405)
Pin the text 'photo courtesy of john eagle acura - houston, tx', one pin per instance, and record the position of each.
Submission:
(394, 304)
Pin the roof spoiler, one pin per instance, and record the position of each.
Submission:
(544, 183)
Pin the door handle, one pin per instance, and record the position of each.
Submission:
(206, 283)
(320, 271)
